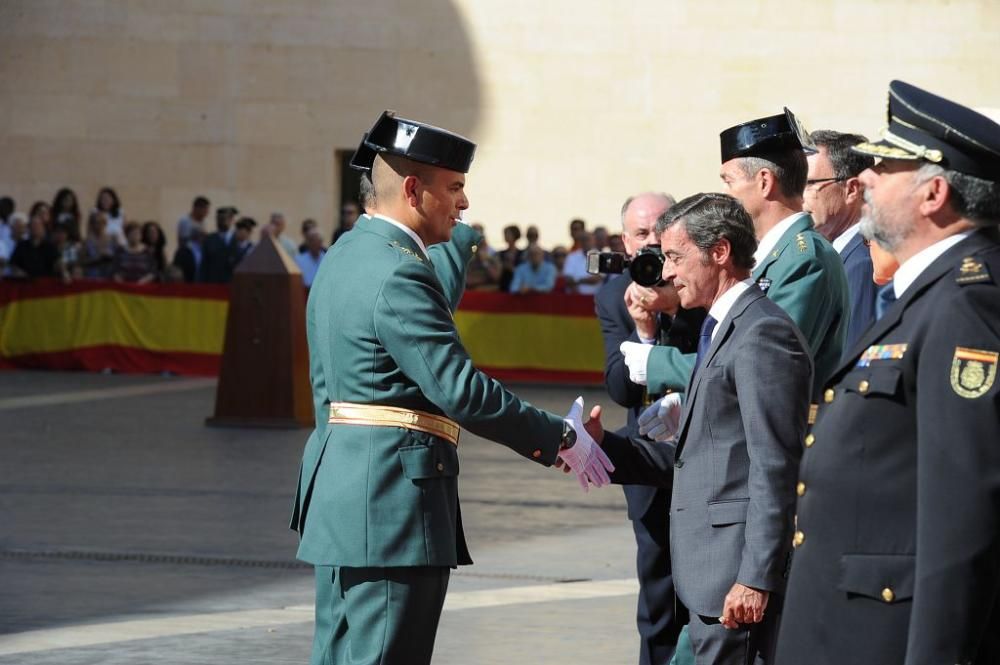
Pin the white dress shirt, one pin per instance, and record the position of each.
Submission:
(841, 241)
(720, 308)
(916, 264)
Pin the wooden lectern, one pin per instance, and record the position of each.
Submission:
(264, 377)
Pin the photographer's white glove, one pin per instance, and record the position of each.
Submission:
(661, 419)
(636, 358)
(585, 457)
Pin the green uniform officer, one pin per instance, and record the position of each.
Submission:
(377, 505)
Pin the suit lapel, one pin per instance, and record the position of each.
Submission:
(854, 245)
(725, 331)
(941, 266)
(803, 223)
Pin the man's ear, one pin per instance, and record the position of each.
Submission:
(854, 191)
(721, 251)
(411, 187)
(766, 182)
(936, 193)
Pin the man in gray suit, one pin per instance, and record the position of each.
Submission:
(738, 436)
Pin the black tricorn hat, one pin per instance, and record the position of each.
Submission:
(765, 134)
(414, 140)
(925, 126)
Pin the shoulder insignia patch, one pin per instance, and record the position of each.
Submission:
(407, 250)
(801, 242)
(764, 284)
(973, 272)
(973, 371)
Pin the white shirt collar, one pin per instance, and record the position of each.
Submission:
(405, 229)
(772, 237)
(916, 264)
(841, 241)
(720, 308)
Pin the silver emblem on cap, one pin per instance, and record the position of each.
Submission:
(404, 135)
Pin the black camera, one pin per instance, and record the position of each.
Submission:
(646, 267)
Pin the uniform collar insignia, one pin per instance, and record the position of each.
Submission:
(407, 250)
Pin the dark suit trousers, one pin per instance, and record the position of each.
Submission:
(750, 644)
(377, 616)
(658, 618)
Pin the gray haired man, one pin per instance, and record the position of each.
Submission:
(737, 440)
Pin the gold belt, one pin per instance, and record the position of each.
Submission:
(345, 413)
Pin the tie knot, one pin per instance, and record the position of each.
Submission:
(886, 296)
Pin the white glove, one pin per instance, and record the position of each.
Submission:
(636, 358)
(661, 419)
(585, 457)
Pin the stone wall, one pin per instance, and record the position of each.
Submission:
(574, 105)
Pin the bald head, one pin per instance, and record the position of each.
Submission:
(388, 173)
(639, 215)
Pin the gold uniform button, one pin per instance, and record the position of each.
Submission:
(828, 395)
(536, 454)
(887, 595)
(798, 539)
(800, 489)
(863, 386)
(440, 467)
(475, 248)
(810, 440)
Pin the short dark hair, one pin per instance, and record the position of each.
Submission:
(366, 191)
(514, 229)
(788, 165)
(846, 163)
(200, 202)
(709, 218)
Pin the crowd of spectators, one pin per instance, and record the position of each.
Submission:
(59, 240)
(534, 269)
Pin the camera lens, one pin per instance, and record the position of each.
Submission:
(646, 268)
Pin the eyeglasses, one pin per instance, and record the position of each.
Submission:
(819, 181)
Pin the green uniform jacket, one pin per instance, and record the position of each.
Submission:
(805, 276)
(380, 328)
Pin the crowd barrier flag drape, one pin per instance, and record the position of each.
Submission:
(180, 329)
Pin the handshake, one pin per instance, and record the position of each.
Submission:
(659, 422)
(584, 456)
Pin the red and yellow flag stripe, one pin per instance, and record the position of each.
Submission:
(181, 329)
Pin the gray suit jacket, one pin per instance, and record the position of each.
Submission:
(736, 460)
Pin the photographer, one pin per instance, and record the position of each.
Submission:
(651, 315)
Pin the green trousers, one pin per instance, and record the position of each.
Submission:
(377, 616)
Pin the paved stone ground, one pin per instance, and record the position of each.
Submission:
(132, 533)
